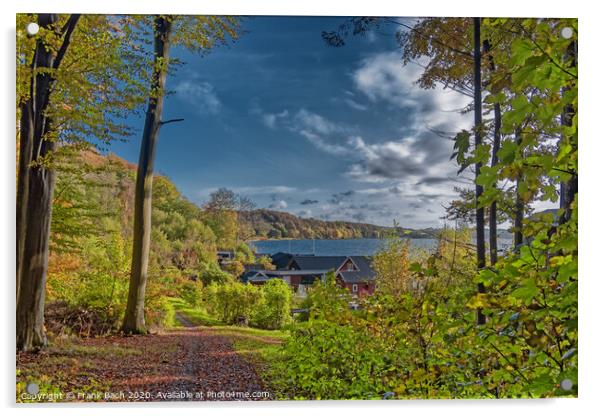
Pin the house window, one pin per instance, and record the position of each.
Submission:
(354, 288)
(349, 267)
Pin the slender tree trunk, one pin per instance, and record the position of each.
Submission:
(519, 204)
(478, 119)
(568, 190)
(497, 125)
(134, 315)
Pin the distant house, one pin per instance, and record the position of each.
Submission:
(300, 271)
(225, 256)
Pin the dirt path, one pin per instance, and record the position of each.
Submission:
(191, 363)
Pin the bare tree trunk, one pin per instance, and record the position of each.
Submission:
(478, 120)
(134, 315)
(497, 125)
(519, 204)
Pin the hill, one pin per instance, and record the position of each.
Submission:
(263, 223)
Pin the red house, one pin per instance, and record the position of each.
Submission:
(301, 271)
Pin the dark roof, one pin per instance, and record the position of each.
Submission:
(356, 277)
(281, 260)
(364, 274)
(319, 262)
(307, 276)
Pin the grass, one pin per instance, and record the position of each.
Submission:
(258, 346)
(197, 316)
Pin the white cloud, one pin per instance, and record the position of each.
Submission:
(280, 204)
(252, 190)
(307, 120)
(383, 77)
(271, 119)
(354, 104)
(200, 94)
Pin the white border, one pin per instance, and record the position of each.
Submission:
(590, 149)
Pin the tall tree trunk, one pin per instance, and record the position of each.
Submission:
(497, 125)
(478, 120)
(35, 188)
(25, 157)
(568, 190)
(30, 305)
(519, 207)
(134, 315)
(34, 198)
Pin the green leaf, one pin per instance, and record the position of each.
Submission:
(527, 291)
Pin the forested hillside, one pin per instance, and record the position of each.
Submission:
(92, 233)
(265, 223)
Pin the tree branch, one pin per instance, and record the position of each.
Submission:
(173, 120)
(70, 27)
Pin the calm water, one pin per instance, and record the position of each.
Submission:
(349, 247)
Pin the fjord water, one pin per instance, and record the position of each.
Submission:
(347, 247)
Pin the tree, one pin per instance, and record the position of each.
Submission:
(35, 188)
(478, 120)
(67, 97)
(224, 214)
(134, 314)
(497, 125)
(195, 33)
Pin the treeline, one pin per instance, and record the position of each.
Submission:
(91, 238)
(263, 223)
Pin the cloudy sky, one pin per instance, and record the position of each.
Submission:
(298, 126)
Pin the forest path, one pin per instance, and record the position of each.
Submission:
(204, 366)
(190, 363)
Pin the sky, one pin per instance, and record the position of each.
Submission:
(299, 126)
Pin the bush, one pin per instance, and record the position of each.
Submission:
(213, 274)
(232, 302)
(326, 300)
(191, 292)
(274, 311)
(326, 360)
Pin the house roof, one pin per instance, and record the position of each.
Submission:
(263, 275)
(319, 262)
(281, 260)
(364, 274)
(308, 265)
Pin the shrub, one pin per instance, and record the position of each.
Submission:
(191, 292)
(213, 274)
(274, 311)
(326, 300)
(232, 302)
(326, 360)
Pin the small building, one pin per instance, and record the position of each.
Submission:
(225, 256)
(354, 273)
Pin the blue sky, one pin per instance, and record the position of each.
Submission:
(299, 126)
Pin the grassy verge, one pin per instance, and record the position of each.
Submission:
(258, 346)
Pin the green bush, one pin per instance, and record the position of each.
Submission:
(326, 300)
(191, 292)
(232, 302)
(213, 274)
(274, 311)
(327, 360)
